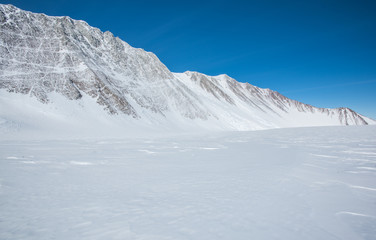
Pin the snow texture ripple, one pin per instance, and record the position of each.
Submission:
(301, 183)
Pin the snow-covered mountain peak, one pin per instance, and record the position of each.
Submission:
(42, 56)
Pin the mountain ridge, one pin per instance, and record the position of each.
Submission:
(43, 54)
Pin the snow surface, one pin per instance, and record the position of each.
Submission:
(302, 183)
(22, 116)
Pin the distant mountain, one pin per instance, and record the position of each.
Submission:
(68, 65)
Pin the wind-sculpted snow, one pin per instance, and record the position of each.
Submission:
(301, 183)
(42, 55)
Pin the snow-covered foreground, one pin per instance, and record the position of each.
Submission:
(308, 183)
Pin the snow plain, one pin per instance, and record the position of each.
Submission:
(302, 183)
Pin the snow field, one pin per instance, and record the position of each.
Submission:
(304, 183)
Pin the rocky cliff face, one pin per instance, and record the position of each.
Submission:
(41, 55)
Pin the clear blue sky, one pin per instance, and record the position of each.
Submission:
(319, 52)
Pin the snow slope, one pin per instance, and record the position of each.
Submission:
(80, 74)
(300, 183)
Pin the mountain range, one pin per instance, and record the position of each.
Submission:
(56, 71)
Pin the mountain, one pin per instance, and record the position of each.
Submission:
(59, 70)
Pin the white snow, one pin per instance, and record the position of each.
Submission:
(163, 166)
(302, 183)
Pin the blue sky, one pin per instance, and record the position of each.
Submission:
(318, 52)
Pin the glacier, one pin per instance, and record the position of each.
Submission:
(297, 183)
